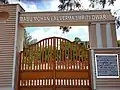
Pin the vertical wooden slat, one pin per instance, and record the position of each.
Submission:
(47, 82)
(63, 48)
(36, 82)
(40, 82)
(74, 49)
(75, 81)
(37, 46)
(71, 55)
(36, 56)
(57, 56)
(79, 82)
(45, 55)
(51, 54)
(39, 55)
(27, 82)
(77, 57)
(30, 56)
(25, 58)
(30, 82)
(22, 63)
(65, 55)
(85, 61)
(82, 60)
(48, 54)
(42, 55)
(20, 82)
(71, 82)
(54, 62)
(33, 59)
(60, 55)
(60, 82)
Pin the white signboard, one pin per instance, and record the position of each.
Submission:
(107, 65)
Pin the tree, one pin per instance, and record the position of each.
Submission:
(4, 1)
(77, 40)
(28, 39)
(101, 2)
(68, 5)
(118, 43)
(117, 18)
(71, 5)
(65, 28)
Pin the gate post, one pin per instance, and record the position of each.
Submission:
(102, 34)
(9, 22)
(92, 62)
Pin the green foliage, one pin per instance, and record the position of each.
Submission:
(65, 51)
(77, 39)
(28, 39)
(93, 3)
(118, 43)
(65, 28)
(4, 1)
(72, 5)
(69, 5)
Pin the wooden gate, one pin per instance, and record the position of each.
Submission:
(54, 64)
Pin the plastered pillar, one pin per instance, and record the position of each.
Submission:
(95, 35)
(113, 34)
(102, 35)
(20, 38)
(8, 45)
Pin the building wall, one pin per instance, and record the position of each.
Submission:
(102, 35)
(20, 38)
(11, 42)
(8, 29)
(108, 84)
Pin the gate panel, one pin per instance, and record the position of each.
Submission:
(35, 88)
(53, 64)
(33, 75)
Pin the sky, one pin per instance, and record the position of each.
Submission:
(51, 5)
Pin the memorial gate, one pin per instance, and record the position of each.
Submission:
(56, 62)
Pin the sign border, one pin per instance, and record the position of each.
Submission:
(107, 76)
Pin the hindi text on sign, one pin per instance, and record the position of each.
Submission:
(62, 18)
